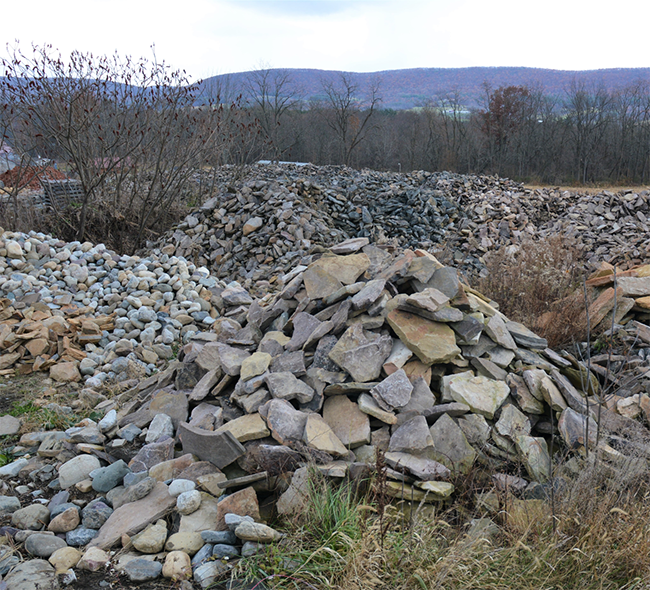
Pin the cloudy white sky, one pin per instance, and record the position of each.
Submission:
(208, 37)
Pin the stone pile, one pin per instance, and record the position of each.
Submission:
(361, 354)
(84, 312)
(256, 229)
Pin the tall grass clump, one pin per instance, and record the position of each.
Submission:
(535, 283)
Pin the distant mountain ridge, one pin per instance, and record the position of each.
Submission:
(405, 89)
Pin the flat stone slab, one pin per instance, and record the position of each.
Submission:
(9, 425)
(432, 342)
(220, 448)
(131, 518)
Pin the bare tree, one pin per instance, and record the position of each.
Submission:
(588, 117)
(348, 112)
(273, 93)
(130, 129)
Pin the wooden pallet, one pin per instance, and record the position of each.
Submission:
(59, 194)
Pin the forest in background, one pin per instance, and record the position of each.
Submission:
(586, 134)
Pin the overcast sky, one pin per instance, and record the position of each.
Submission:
(208, 37)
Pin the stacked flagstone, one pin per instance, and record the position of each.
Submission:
(260, 226)
(364, 356)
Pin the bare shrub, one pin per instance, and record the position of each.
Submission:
(132, 132)
(537, 278)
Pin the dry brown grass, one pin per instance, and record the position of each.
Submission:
(535, 278)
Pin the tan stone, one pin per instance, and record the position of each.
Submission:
(93, 559)
(432, 342)
(65, 558)
(177, 566)
(211, 483)
(244, 503)
(245, 428)
(64, 522)
(347, 421)
(346, 269)
(65, 372)
(189, 542)
(255, 365)
(319, 435)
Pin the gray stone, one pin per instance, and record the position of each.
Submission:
(9, 505)
(9, 425)
(304, 325)
(206, 574)
(393, 392)
(422, 399)
(231, 359)
(108, 421)
(369, 294)
(95, 514)
(575, 428)
(188, 502)
(257, 532)
(512, 423)
(36, 574)
(12, 469)
(369, 406)
(160, 426)
(283, 420)
(525, 337)
(412, 437)
(451, 447)
(106, 478)
(43, 545)
(221, 550)
(77, 469)
(132, 518)
(133, 492)
(80, 537)
(220, 448)
(178, 486)
(251, 548)
(475, 428)
(534, 453)
(129, 433)
(201, 555)
(520, 392)
(219, 537)
(361, 353)
(468, 331)
(286, 386)
(496, 329)
(489, 369)
(33, 518)
(152, 454)
(143, 570)
(292, 362)
(421, 467)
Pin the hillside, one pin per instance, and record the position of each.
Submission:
(405, 89)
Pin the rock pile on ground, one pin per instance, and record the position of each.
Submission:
(257, 228)
(363, 353)
(84, 312)
(28, 176)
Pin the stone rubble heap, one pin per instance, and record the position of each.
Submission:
(362, 353)
(256, 229)
(84, 312)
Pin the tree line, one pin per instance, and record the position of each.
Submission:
(135, 133)
(587, 134)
